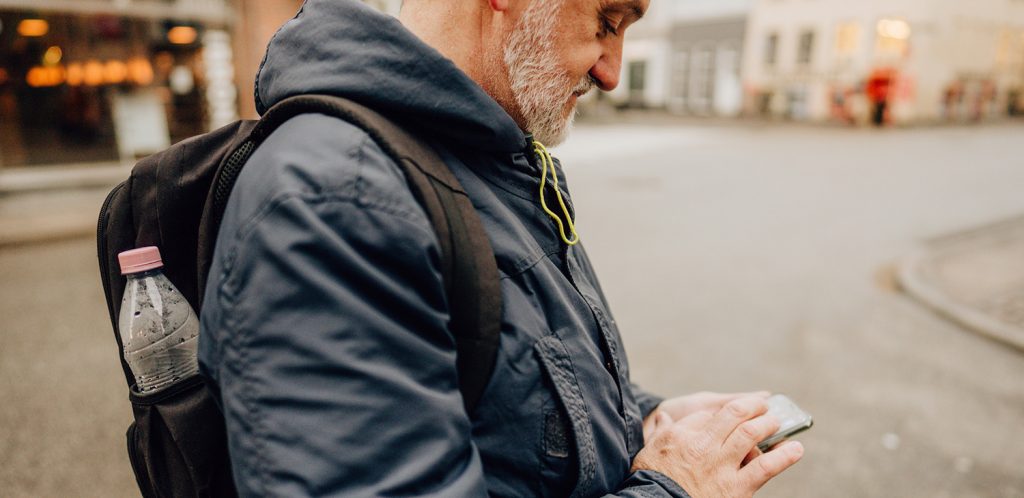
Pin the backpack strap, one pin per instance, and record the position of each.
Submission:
(467, 260)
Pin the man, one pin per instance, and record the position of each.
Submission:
(325, 321)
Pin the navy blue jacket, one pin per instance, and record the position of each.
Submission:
(324, 325)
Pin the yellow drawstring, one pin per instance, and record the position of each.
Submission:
(546, 162)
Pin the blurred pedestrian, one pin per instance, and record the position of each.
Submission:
(325, 323)
(877, 90)
(952, 99)
(984, 100)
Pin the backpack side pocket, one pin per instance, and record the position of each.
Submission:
(178, 443)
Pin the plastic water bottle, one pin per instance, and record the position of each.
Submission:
(159, 330)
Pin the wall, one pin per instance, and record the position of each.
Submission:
(690, 10)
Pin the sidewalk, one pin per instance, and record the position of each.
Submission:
(69, 176)
(975, 278)
(52, 203)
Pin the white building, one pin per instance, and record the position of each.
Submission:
(389, 6)
(685, 56)
(930, 59)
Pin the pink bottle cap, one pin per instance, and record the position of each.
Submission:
(139, 260)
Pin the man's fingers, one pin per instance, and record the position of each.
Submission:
(721, 399)
(751, 394)
(697, 421)
(754, 453)
(655, 423)
(735, 413)
(649, 424)
(748, 434)
(662, 421)
(763, 468)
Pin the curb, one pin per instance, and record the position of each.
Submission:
(14, 181)
(40, 230)
(965, 316)
(34, 216)
(914, 275)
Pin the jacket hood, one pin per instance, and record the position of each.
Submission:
(345, 48)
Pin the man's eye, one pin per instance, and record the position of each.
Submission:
(608, 27)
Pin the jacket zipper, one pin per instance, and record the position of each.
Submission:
(604, 339)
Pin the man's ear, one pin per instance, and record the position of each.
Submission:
(498, 5)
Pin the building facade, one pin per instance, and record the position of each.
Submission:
(685, 56)
(887, 61)
(644, 78)
(258, 20)
(109, 81)
(389, 6)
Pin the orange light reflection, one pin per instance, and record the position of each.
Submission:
(182, 35)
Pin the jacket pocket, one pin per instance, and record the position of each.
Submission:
(567, 428)
(559, 459)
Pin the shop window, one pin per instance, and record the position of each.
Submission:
(81, 88)
(680, 77)
(637, 82)
(702, 79)
(847, 39)
(1010, 50)
(805, 49)
(893, 37)
(771, 50)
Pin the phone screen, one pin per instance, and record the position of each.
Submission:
(791, 418)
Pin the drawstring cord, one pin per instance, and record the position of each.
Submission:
(547, 162)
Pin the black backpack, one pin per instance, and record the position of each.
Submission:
(175, 200)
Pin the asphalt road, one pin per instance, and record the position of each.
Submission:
(735, 258)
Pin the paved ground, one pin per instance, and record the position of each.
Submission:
(735, 258)
(975, 278)
(762, 257)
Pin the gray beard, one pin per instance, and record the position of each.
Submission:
(540, 90)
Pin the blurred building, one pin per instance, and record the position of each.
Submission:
(257, 21)
(645, 55)
(389, 6)
(685, 56)
(889, 61)
(112, 80)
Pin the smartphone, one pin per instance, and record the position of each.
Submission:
(793, 420)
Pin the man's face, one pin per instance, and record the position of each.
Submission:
(560, 50)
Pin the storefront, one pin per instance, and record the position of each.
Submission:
(88, 87)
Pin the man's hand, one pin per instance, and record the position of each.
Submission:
(684, 406)
(713, 454)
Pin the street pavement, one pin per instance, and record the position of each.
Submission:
(735, 258)
(975, 278)
(50, 203)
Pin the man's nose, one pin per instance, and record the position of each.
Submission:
(606, 71)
